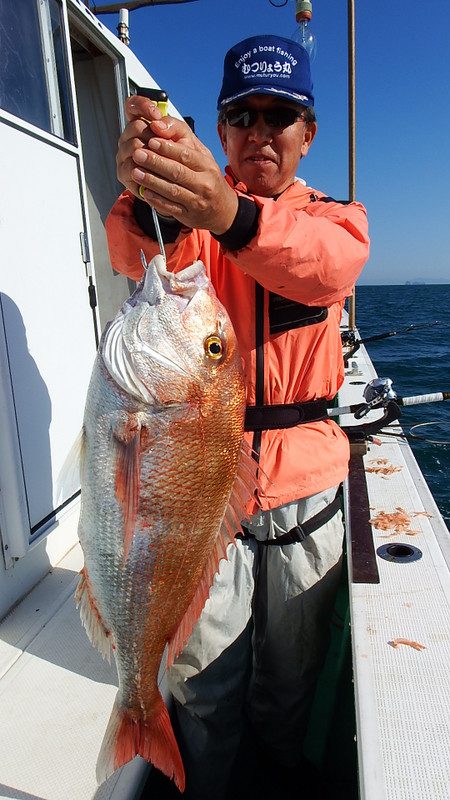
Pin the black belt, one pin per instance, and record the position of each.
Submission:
(300, 532)
(265, 417)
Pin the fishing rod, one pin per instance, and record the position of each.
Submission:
(378, 394)
(348, 338)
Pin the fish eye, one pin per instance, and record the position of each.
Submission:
(213, 347)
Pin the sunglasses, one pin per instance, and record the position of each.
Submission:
(274, 117)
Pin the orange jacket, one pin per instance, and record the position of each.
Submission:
(310, 251)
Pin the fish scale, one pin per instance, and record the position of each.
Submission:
(162, 474)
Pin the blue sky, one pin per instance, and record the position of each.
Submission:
(402, 108)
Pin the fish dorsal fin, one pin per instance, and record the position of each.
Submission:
(195, 608)
(244, 489)
(243, 492)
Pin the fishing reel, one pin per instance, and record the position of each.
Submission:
(378, 392)
(348, 338)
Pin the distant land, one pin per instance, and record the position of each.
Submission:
(417, 282)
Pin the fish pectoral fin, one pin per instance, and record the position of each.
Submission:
(195, 608)
(128, 466)
(153, 738)
(98, 632)
(245, 489)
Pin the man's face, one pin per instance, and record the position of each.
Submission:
(263, 156)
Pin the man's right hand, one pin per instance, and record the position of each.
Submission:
(178, 174)
(142, 114)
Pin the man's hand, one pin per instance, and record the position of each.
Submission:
(180, 177)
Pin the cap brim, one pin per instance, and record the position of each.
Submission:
(301, 99)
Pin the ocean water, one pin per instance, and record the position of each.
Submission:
(418, 362)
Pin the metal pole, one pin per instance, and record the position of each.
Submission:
(351, 132)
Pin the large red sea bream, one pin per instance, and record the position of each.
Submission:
(164, 484)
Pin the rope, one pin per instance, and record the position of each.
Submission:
(425, 438)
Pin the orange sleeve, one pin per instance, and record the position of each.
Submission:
(126, 239)
(322, 252)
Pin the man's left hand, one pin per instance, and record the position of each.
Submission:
(181, 178)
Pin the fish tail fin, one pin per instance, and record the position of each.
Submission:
(153, 739)
(158, 745)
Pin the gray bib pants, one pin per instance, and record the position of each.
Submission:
(258, 646)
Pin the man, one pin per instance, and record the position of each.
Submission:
(282, 258)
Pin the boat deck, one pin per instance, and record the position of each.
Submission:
(56, 694)
(402, 690)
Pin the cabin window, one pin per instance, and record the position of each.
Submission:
(34, 80)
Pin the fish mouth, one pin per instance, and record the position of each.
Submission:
(183, 285)
(159, 282)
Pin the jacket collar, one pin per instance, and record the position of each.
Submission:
(297, 187)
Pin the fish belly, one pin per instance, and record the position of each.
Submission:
(138, 596)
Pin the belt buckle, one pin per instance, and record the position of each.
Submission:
(300, 534)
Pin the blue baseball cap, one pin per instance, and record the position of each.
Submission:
(268, 65)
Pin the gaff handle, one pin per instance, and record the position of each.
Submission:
(158, 96)
(392, 412)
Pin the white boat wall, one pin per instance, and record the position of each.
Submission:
(63, 80)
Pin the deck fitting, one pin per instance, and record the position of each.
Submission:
(400, 553)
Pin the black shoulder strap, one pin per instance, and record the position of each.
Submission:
(259, 345)
(314, 198)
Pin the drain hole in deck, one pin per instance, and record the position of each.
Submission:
(401, 553)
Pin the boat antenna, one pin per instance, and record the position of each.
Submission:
(123, 28)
